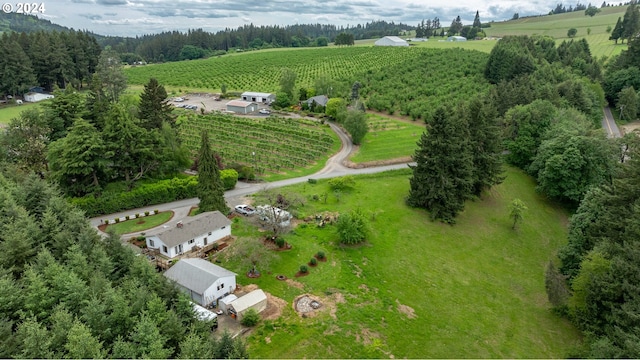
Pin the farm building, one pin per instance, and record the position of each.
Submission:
(319, 100)
(391, 41)
(35, 97)
(258, 97)
(242, 107)
(203, 281)
(223, 304)
(196, 232)
(256, 300)
(456, 38)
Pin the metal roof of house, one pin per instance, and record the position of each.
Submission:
(193, 227)
(251, 93)
(239, 103)
(318, 99)
(246, 301)
(196, 274)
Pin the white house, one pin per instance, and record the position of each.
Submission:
(35, 97)
(256, 299)
(258, 97)
(203, 281)
(242, 107)
(391, 41)
(200, 230)
(456, 38)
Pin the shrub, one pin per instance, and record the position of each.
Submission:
(320, 255)
(117, 220)
(146, 213)
(229, 178)
(313, 261)
(126, 217)
(312, 181)
(342, 182)
(250, 318)
(141, 238)
(280, 242)
(352, 227)
(215, 246)
(304, 269)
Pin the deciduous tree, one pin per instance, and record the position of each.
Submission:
(356, 124)
(516, 212)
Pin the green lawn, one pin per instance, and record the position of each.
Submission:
(388, 139)
(418, 289)
(142, 223)
(9, 112)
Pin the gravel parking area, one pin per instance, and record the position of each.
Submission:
(208, 101)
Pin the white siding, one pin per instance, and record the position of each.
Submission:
(173, 251)
(219, 289)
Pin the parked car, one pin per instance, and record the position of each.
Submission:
(178, 99)
(245, 210)
(264, 111)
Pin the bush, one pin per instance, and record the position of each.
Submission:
(342, 182)
(146, 213)
(320, 255)
(313, 261)
(117, 220)
(126, 217)
(352, 227)
(229, 178)
(215, 246)
(250, 318)
(141, 238)
(280, 242)
(304, 269)
(312, 181)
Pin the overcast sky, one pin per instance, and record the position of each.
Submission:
(138, 17)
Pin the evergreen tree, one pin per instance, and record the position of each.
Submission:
(486, 144)
(109, 70)
(631, 21)
(443, 176)
(617, 31)
(476, 20)
(154, 108)
(210, 188)
(16, 73)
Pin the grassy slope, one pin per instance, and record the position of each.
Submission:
(476, 288)
(13, 111)
(388, 139)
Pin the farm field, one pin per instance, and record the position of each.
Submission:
(272, 145)
(260, 70)
(417, 289)
(388, 139)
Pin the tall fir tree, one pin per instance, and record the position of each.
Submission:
(443, 176)
(476, 20)
(210, 188)
(486, 144)
(154, 108)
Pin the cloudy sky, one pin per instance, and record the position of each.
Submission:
(138, 17)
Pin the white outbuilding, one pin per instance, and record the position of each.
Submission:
(35, 97)
(258, 97)
(456, 38)
(256, 300)
(203, 281)
(391, 41)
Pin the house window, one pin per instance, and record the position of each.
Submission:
(221, 286)
(223, 227)
(191, 241)
(151, 244)
(209, 233)
(164, 249)
(205, 241)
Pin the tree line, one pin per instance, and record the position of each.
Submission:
(628, 25)
(46, 59)
(67, 293)
(171, 46)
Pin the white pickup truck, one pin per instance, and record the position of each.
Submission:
(245, 210)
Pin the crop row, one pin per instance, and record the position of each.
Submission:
(268, 144)
(260, 71)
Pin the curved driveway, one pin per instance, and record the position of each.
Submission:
(333, 168)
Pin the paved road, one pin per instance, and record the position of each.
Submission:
(609, 124)
(333, 168)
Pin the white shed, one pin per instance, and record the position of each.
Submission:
(391, 41)
(35, 97)
(456, 38)
(223, 304)
(203, 281)
(256, 300)
(242, 107)
(259, 97)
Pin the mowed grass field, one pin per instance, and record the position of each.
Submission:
(8, 112)
(416, 289)
(388, 139)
